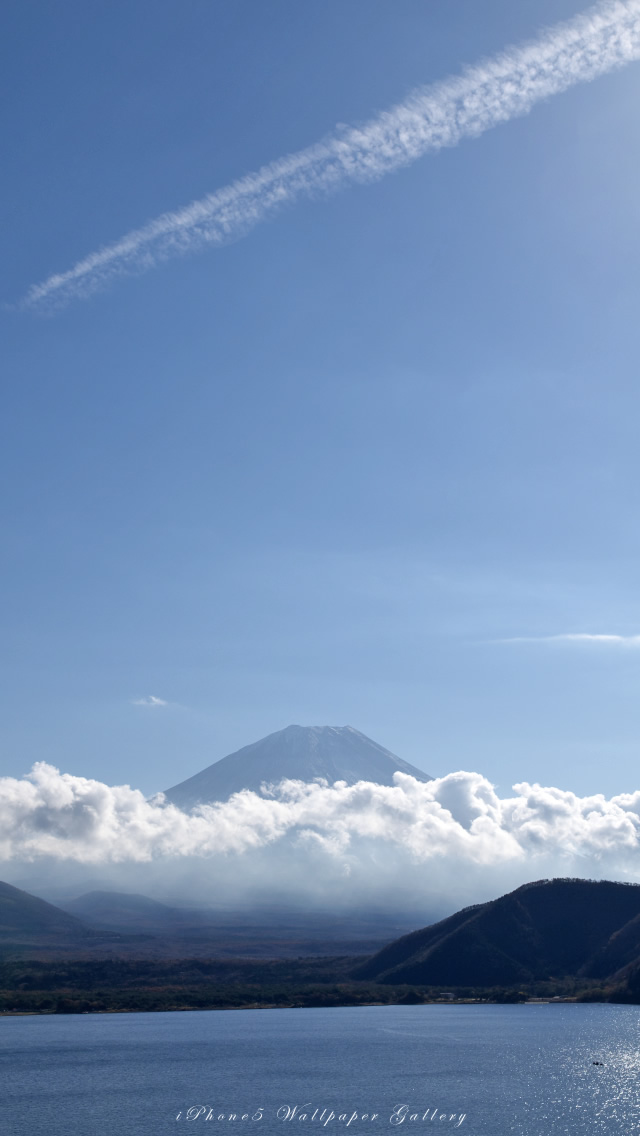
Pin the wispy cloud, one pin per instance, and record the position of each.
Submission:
(579, 637)
(601, 39)
(149, 700)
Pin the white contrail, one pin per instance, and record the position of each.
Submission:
(578, 637)
(601, 39)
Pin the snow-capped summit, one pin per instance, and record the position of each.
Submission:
(338, 753)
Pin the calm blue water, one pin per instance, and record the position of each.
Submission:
(510, 1069)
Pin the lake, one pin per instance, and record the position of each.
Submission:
(471, 1069)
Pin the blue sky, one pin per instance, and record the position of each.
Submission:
(360, 466)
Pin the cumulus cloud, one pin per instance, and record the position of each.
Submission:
(455, 821)
(603, 38)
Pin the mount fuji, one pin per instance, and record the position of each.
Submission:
(337, 753)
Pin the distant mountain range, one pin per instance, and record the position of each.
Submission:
(26, 921)
(549, 929)
(127, 912)
(579, 936)
(135, 926)
(337, 753)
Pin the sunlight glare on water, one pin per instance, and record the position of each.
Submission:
(490, 1070)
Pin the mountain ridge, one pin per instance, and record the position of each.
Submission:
(26, 919)
(131, 925)
(544, 929)
(130, 911)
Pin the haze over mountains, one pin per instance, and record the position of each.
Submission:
(26, 921)
(581, 935)
(335, 753)
(135, 926)
(128, 911)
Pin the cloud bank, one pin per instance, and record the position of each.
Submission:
(602, 39)
(455, 821)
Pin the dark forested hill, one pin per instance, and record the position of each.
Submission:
(552, 939)
(25, 919)
(582, 933)
(547, 929)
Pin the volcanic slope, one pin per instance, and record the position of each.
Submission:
(551, 928)
(337, 753)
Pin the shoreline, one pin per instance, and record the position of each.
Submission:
(288, 1006)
